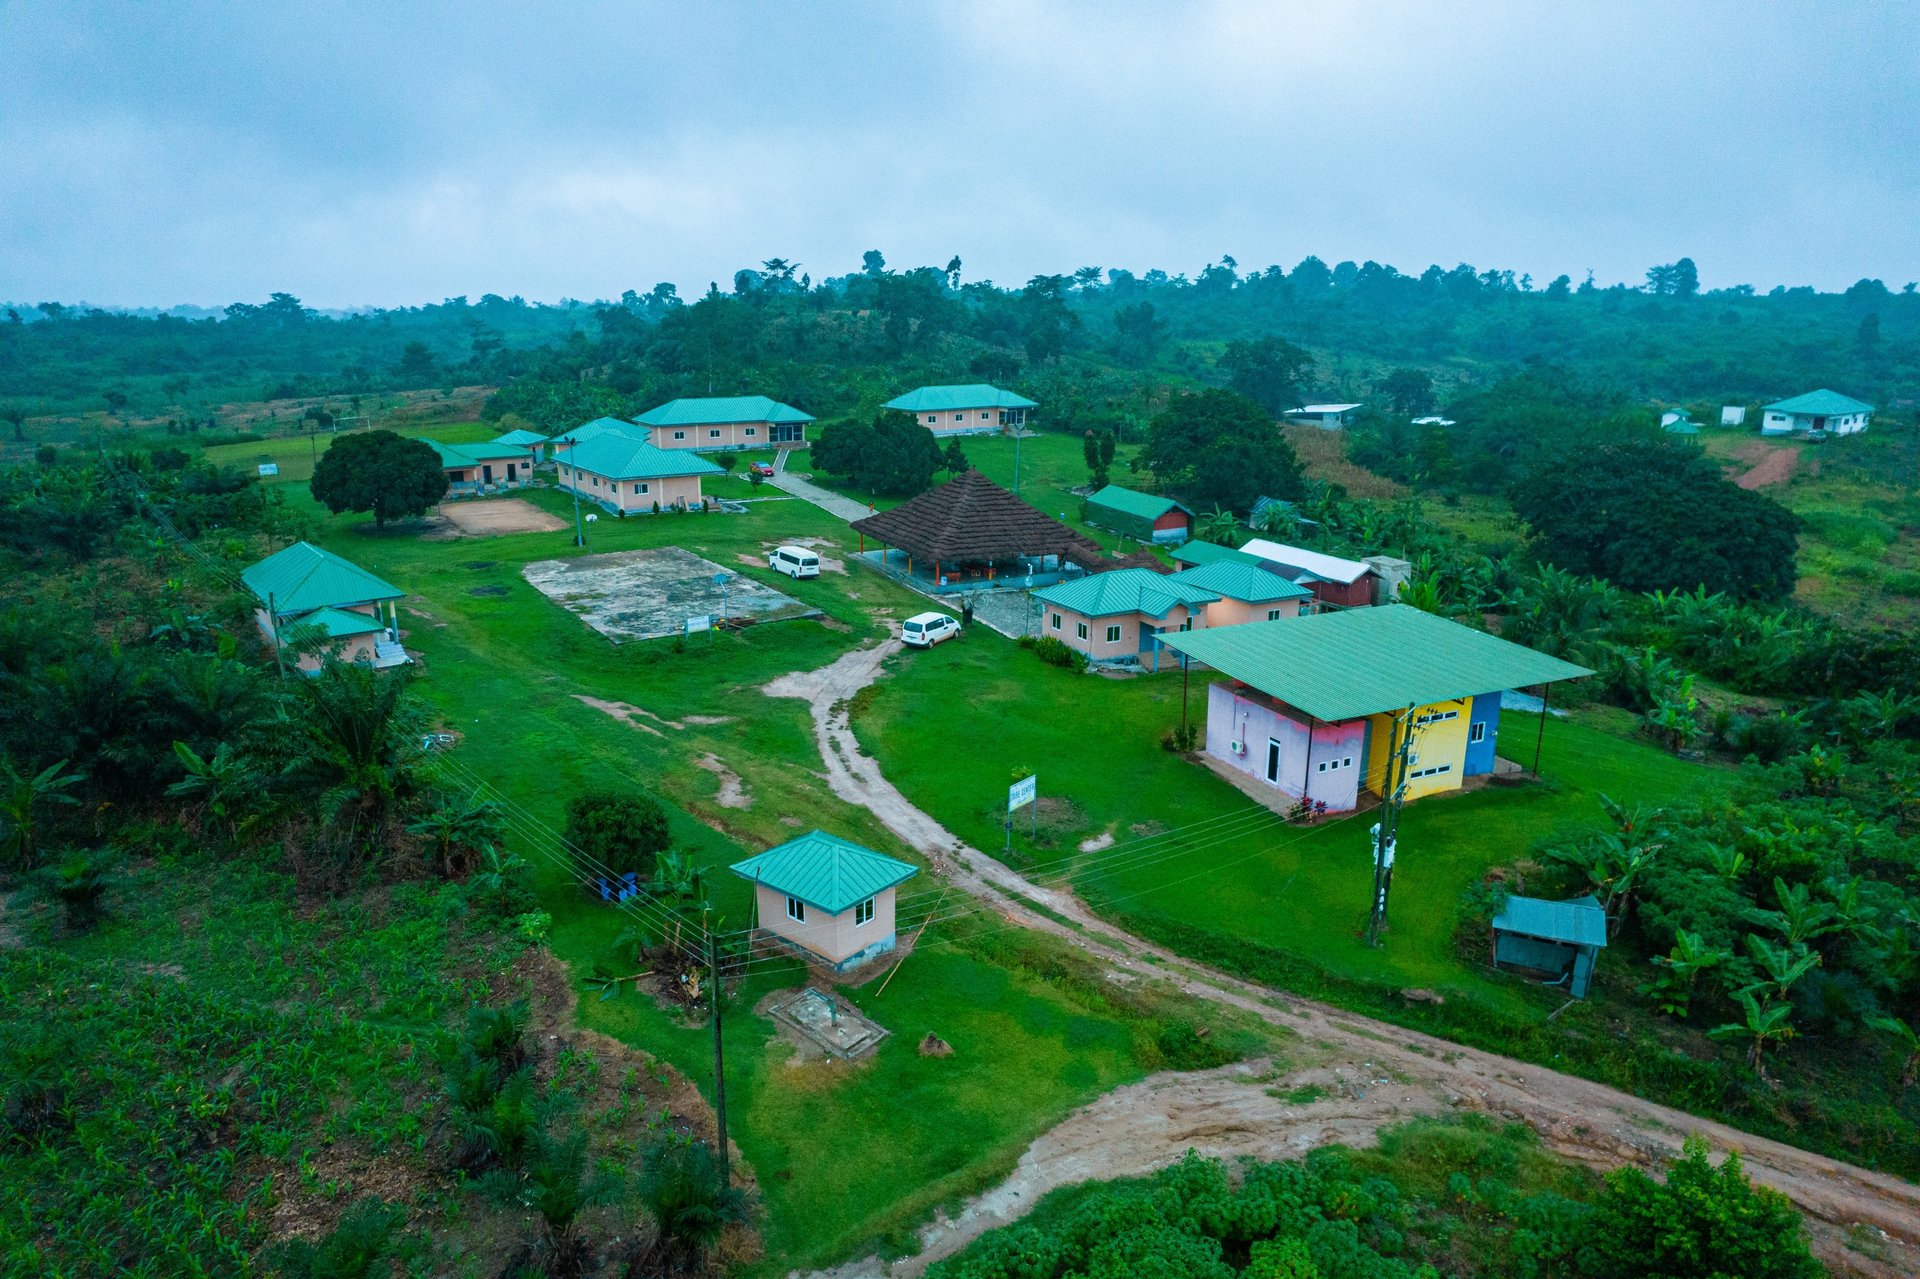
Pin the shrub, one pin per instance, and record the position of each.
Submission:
(617, 831)
(1054, 652)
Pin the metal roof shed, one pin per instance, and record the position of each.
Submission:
(1134, 513)
(1558, 940)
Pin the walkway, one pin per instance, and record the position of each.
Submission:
(830, 502)
(1408, 1072)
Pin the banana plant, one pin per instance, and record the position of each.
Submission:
(1801, 917)
(1677, 971)
(1782, 965)
(224, 782)
(1762, 1025)
(1906, 1039)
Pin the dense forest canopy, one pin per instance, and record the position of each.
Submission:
(1080, 341)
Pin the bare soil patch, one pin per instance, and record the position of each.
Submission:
(497, 516)
(1775, 465)
(733, 792)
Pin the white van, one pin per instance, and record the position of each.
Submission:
(794, 561)
(924, 630)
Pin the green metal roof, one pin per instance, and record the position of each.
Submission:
(303, 577)
(977, 395)
(598, 427)
(337, 623)
(621, 457)
(1820, 403)
(523, 438)
(1124, 590)
(1581, 921)
(1237, 580)
(1197, 552)
(1144, 506)
(1364, 661)
(732, 408)
(825, 871)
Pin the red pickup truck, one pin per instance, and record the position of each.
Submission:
(761, 468)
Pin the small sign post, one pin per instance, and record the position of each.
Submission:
(703, 622)
(269, 468)
(1024, 791)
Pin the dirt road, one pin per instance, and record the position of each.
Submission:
(1771, 465)
(1401, 1072)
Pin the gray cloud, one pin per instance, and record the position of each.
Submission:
(392, 154)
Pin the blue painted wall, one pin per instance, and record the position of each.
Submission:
(1486, 710)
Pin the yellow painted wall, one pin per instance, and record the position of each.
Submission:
(1437, 741)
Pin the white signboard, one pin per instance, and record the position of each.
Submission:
(1023, 792)
(269, 468)
(704, 622)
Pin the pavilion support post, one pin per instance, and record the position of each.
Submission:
(1306, 767)
(1540, 738)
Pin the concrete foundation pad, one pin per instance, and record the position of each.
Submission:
(649, 594)
(835, 1026)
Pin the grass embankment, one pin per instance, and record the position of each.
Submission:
(847, 1156)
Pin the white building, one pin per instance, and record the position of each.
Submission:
(1821, 410)
(1328, 417)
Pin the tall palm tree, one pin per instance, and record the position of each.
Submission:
(351, 741)
(681, 1189)
(465, 825)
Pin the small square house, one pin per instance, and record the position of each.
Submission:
(1328, 417)
(625, 473)
(826, 897)
(1339, 582)
(316, 601)
(1116, 616)
(480, 468)
(1149, 517)
(1556, 942)
(1821, 410)
(531, 443)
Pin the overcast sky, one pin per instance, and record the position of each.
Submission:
(393, 153)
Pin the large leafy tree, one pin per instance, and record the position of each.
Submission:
(892, 454)
(1268, 371)
(617, 831)
(1219, 448)
(378, 471)
(1653, 515)
(1704, 1221)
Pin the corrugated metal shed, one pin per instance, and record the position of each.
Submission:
(1127, 510)
(1329, 568)
(710, 410)
(1580, 922)
(976, 395)
(825, 871)
(303, 577)
(338, 623)
(1125, 590)
(1364, 661)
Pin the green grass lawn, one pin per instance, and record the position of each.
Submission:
(1304, 891)
(846, 1156)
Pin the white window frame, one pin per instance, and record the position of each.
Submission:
(679, 435)
(1273, 615)
(713, 432)
(1435, 718)
(640, 488)
(1477, 733)
(1436, 771)
(1056, 621)
(752, 431)
(959, 417)
(1079, 630)
(863, 913)
(932, 418)
(1113, 635)
(796, 910)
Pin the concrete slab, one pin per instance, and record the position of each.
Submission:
(649, 594)
(835, 1026)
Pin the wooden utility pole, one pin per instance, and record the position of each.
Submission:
(714, 992)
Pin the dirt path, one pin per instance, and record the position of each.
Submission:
(1403, 1071)
(1774, 467)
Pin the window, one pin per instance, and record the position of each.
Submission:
(985, 416)
(1273, 761)
(1435, 717)
(1335, 765)
(1056, 621)
(1113, 635)
(1478, 733)
(679, 435)
(1187, 625)
(640, 488)
(1347, 762)
(1273, 615)
(1323, 766)
(713, 433)
(863, 913)
(752, 431)
(959, 417)
(1079, 630)
(932, 418)
(1435, 771)
(596, 481)
(796, 910)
